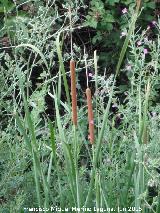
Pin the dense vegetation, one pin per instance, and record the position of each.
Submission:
(79, 106)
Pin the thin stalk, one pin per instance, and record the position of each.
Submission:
(76, 166)
(50, 168)
(36, 176)
(60, 58)
(96, 81)
(71, 29)
(140, 113)
(97, 186)
(145, 138)
(126, 42)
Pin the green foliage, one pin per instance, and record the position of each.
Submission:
(9, 13)
(109, 21)
(49, 162)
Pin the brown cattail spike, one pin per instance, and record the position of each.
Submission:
(73, 92)
(138, 2)
(90, 115)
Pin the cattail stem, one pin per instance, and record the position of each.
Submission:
(73, 92)
(90, 116)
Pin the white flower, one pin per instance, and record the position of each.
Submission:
(123, 34)
(124, 10)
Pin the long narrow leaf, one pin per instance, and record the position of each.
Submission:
(62, 69)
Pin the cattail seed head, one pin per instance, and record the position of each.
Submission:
(138, 2)
(73, 92)
(90, 116)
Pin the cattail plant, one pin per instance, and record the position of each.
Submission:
(138, 2)
(73, 92)
(89, 104)
(90, 115)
